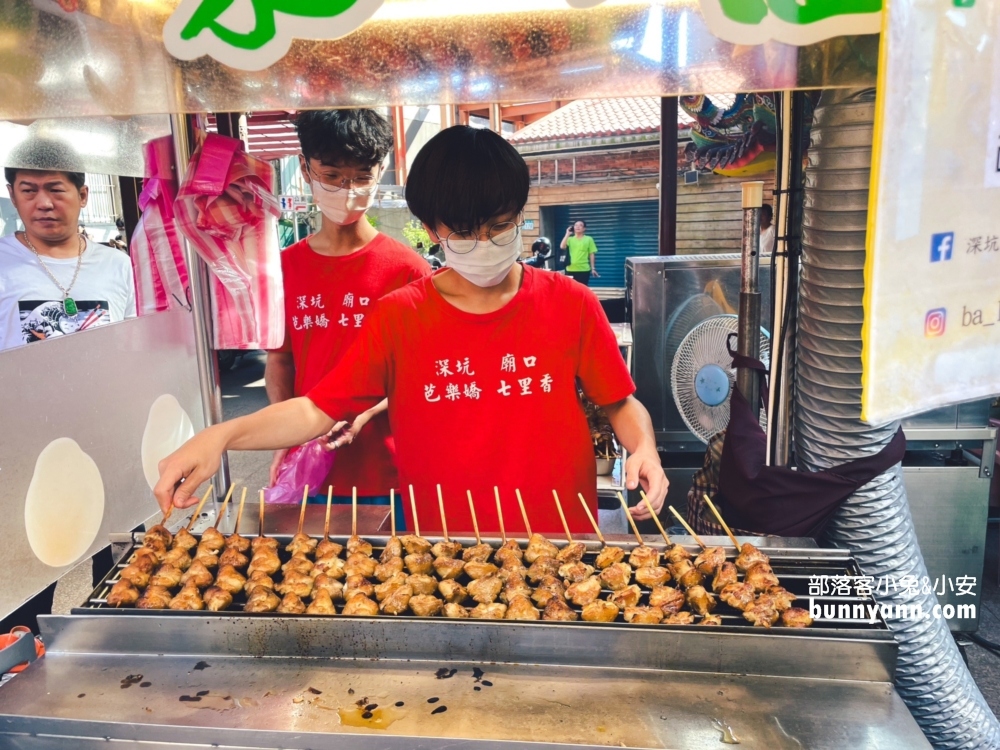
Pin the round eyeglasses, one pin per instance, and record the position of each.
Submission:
(363, 184)
(500, 234)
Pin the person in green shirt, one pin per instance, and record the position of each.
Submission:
(581, 253)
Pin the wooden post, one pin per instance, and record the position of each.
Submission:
(496, 117)
(399, 144)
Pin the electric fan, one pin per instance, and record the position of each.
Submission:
(702, 376)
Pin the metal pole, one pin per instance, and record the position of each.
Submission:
(201, 312)
(779, 277)
(668, 176)
(781, 416)
(748, 341)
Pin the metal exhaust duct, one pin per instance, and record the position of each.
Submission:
(875, 522)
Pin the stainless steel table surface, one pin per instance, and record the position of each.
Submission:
(270, 682)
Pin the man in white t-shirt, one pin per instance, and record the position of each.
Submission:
(53, 281)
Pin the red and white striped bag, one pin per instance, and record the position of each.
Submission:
(161, 276)
(227, 211)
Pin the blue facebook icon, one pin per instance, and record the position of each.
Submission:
(941, 246)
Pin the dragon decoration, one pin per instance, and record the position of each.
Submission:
(738, 141)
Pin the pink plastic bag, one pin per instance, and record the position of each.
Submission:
(308, 464)
(226, 209)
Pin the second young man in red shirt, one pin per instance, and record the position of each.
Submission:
(333, 281)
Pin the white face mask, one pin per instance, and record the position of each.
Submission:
(342, 206)
(488, 263)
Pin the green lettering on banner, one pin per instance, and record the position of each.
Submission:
(206, 17)
(255, 34)
(798, 22)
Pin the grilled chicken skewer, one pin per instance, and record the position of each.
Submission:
(327, 549)
(608, 555)
(687, 528)
(715, 512)
(573, 552)
(234, 540)
(510, 554)
(673, 552)
(183, 539)
(642, 556)
(123, 594)
(524, 514)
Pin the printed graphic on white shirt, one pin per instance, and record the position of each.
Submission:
(47, 319)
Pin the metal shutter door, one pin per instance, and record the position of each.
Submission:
(620, 231)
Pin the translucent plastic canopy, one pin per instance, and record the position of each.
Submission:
(108, 57)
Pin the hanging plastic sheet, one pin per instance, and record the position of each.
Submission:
(161, 276)
(226, 209)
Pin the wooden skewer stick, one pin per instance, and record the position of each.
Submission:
(475, 521)
(392, 511)
(689, 530)
(656, 519)
(444, 523)
(260, 522)
(413, 510)
(166, 515)
(718, 515)
(562, 516)
(225, 502)
(197, 511)
(326, 521)
(628, 515)
(302, 512)
(597, 529)
(354, 511)
(503, 533)
(239, 513)
(524, 513)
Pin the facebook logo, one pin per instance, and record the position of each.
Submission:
(941, 246)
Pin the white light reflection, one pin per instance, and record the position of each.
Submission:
(682, 40)
(652, 38)
(581, 70)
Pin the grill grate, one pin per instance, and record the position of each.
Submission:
(794, 568)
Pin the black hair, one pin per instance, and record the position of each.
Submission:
(45, 155)
(767, 211)
(464, 176)
(342, 137)
(582, 221)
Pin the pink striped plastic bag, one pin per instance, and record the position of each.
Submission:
(227, 211)
(161, 276)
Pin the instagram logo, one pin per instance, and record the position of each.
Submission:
(934, 322)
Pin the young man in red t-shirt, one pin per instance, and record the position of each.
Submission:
(480, 363)
(333, 281)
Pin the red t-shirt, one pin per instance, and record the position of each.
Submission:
(328, 301)
(477, 401)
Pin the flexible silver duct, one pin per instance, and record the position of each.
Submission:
(875, 522)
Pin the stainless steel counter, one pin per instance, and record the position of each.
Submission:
(284, 682)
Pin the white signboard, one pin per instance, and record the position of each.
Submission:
(932, 309)
(296, 203)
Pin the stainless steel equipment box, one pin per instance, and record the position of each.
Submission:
(948, 490)
(665, 297)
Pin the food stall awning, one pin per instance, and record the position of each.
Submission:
(105, 58)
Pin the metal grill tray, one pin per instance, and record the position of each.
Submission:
(794, 568)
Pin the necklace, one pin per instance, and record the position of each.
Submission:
(69, 304)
